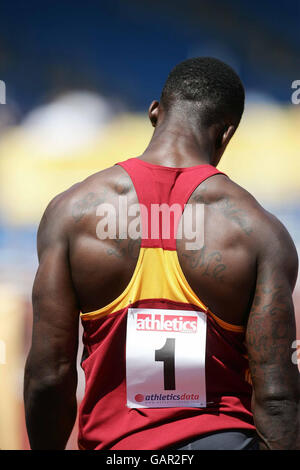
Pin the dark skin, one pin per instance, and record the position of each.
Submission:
(245, 273)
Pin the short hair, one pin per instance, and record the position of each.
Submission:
(213, 86)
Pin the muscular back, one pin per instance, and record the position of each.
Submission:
(222, 273)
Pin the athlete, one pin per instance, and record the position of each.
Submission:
(187, 341)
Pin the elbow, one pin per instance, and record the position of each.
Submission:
(50, 405)
(276, 396)
(281, 407)
(278, 404)
(45, 381)
(49, 392)
(276, 421)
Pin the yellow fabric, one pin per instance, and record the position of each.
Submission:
(157, 275)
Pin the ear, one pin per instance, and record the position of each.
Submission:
(225, 136)
(222, 141)
(153, 112)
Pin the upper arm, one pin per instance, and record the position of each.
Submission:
(55, 309)
(271, 327)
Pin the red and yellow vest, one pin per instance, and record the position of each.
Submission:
(158, 285)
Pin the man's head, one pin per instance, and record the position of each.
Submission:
(204, 91)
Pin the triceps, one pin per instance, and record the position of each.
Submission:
(271, 327)
(270, 334)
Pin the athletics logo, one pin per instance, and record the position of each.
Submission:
(139, 398)
(166, 322)
(166, 397)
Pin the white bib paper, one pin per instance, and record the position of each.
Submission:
(165, 358)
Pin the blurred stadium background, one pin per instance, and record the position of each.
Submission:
(79, 78)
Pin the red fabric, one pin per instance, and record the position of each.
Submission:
(106, 423)
(155, 184)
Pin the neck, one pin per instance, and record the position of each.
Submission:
(179, 146)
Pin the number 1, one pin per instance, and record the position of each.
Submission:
(167, 355)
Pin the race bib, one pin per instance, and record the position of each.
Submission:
(165, 358)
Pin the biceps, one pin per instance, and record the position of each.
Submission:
(55, 312)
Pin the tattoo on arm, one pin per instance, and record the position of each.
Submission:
(271, 300)
(81, 207)
(270, 333)
(231, 211)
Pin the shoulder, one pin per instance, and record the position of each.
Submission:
(234, 203)
(247, 220)
(271, 240)
(66, 209)
(265, 224)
